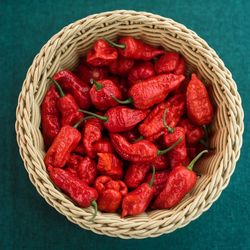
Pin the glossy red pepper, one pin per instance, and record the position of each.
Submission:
(87, 72)
(85, 168)
(170, 62)
(103, 145)
(152, 127)
(78, 191)
(92, 132)
(121, 66)
(142, 151)
(135, 174)
(120, 118)
(50, 116)
(64, 143)
(140, 72)
(199, 106)
(109, 164)
(181, 180)
(137, 201)
(178, 155)
(130, 47)
(102, 94)
(153, 90)
(102, 54)
(110, 193)
(71, 84)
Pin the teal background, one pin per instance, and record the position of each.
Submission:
(26, 220)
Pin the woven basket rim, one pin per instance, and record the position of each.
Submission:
(20, 122)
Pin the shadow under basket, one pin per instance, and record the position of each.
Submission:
(63, 51)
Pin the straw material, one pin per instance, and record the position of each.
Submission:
(62, 51)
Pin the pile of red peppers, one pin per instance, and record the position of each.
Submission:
(123, 131)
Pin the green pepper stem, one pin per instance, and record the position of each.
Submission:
(101, 117)
(127, 101)
(161, 152)
(98, 85)
(170, 130)
(151, 182)
(121, 46)
(58, 87)
(138, 139)
(196, 158)
(95, 206)
(83, 119)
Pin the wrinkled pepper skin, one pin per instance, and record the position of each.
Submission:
(199, 107)
(110, 165)
(137, 49)
(78, 191)
(103, 145)
(141, 71)
(80, 150)
(110, 193)
(50, 116)
(132, 135)
(121, 66)
(154, 90)
(65, 142)
(171, 62)
(178, 155)
(102, 54)
(85, 168)
(152, 127)
(101, 94)
(92, 132)
(71, 84)
(160, 162)
(135, 174)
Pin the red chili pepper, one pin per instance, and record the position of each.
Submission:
(110, 193)
(137, 201)
(103, 146)
(199, 106)
(153, 127)
(64, 143)
(153, 90)
(78, 191)
(132, 135)
(101, 54)
(180, 181)
(121, 66)
(76, 87)
(171, 62)
(120, 118)
(109, 164)
(102, 92)
(140, 72)
(50, 116)
(142, 151)
(92, 132)
(160, 180)
(193, 133)
(160, 162)
(79, 149)
(178, 155)
(135, 174)
(84, 166)
(87, 72)
(130, 47)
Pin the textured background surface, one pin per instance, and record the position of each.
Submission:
(26, 220)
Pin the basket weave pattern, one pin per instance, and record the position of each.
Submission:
(63, 50)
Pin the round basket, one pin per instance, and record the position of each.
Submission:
(62, 51)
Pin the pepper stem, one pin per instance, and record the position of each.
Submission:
(83, 119)
(151, 182)
(58, 87)
(196, 158)
(95, 206)
(101, 117)
(127, 101)
(161, 152)
(170, 130)
(121, 46)
(138, 139)
(98, 85)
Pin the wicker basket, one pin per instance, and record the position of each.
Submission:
(63, 51)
